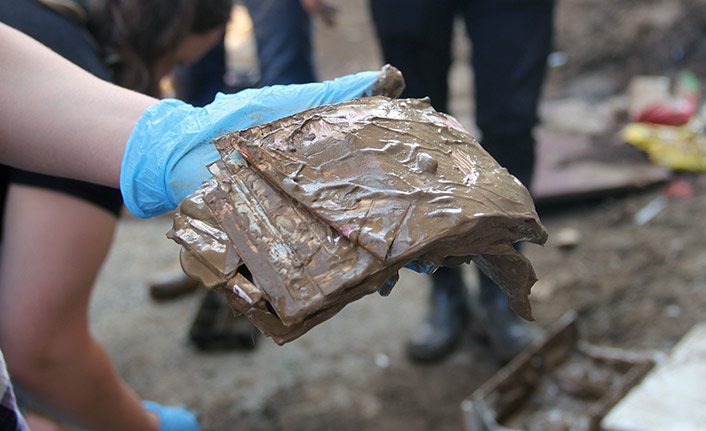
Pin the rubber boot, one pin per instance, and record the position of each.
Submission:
(494, 320)
(447, 317)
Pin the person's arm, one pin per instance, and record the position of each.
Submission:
(57, 119)
(46, 100)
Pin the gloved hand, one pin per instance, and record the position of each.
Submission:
(423, 266)
(387, 286)
(166, 156)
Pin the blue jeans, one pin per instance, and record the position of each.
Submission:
(283, 35)
(199, 82)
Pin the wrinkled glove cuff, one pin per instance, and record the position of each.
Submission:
(143, 172)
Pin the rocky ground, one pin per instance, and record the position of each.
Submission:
(634, 286)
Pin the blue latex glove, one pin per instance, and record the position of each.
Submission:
(173, 418)
(166, 156)
(387, 286)
(423, 266)
(420, 265)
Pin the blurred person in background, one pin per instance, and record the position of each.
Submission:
(283, 33)
(510, 42)
(283, 37)
(57, 232)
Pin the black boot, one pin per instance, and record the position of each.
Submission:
(440, 333)
(494, 320)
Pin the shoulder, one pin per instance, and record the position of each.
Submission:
(57, 32)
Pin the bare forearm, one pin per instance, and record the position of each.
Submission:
(58, 119)
(98, 399)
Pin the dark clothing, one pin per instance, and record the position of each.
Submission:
(105, 197)
(198, 83)
(511, 40)
(56, 31)
(10, 416)
(71, 41)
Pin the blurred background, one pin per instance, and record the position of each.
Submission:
(626, 248)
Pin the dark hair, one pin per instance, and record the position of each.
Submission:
(135, 34)
(210, 14)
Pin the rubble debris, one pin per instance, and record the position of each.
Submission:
(668, 399)
(681, 148)
(678, 189)
(671, 129)
(651, 210)
(567, 238)
(653, 101)
(559, 383)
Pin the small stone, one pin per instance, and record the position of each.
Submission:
(567, 238)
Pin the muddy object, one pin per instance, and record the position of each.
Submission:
(325, 206)
(390, 82)
(207, 254)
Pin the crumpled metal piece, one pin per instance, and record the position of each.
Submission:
(333, 201)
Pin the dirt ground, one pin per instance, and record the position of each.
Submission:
(639, 287)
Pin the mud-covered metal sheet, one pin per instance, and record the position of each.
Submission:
(330, 203)
(206, 249)
(289, 252)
